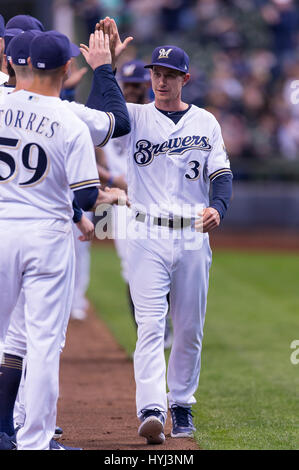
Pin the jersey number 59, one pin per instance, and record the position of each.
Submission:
(39, 169)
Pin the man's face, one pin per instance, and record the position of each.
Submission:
(167, 83)
(135, 92)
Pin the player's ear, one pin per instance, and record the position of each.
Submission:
(186, 78)
(68, 66)
(29, 62)
(66, 69)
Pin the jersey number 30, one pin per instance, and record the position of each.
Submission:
(39, 169)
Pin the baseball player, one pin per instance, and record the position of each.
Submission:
(84, 227)
(15, 343)
(176, 153)
(42, 156)
(15, 26)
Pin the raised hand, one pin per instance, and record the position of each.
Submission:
(117, 47)
(98, 52)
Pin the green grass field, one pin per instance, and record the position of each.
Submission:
(248, 395)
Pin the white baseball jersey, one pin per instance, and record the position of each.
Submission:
(33, 164)
(4, 91)
(116, 152)
(100, 124)
(3, 78)
(176, 161)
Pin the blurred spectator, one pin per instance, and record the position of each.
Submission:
(90, 11)
(288, 138)
(176, 15)
(282, 18)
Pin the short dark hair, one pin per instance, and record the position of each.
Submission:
(10, 70)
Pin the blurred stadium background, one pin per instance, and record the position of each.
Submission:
(245, 70)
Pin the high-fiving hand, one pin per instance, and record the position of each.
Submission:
(98, 52)
(117, 47)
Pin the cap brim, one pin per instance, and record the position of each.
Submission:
(75, 51)
(163, 64)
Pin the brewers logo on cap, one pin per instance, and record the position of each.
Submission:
(163, 54)
(134, 72)
(169, 56)
(128, 70)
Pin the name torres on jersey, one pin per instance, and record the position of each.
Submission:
(30, 121)
(146, 151)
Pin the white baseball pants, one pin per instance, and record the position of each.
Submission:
(82, 271)
(157, 266)
(38, 258)
(16, 341)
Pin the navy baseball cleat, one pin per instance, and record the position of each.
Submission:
(58, 433)
(152, 426)
(182, 423)
(54, 445)
(7, 442)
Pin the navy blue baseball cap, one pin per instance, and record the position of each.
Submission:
(2, 26)
(51, 50)
(9, 34)
(134, 72)
(170, 56)
(25, 22)
(19, 47)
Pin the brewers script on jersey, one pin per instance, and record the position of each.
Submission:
(41, 157)
(174, 156)
(169, 170)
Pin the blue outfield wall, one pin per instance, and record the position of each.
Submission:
(264, 204)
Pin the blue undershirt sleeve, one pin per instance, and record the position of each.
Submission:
(77, 211)
(106, 95)
(222, 189)
(86, 198)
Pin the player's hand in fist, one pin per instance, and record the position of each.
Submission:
(98, 52)
(209, 220)
(86, 227)
(112, 196)
(117, 47)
